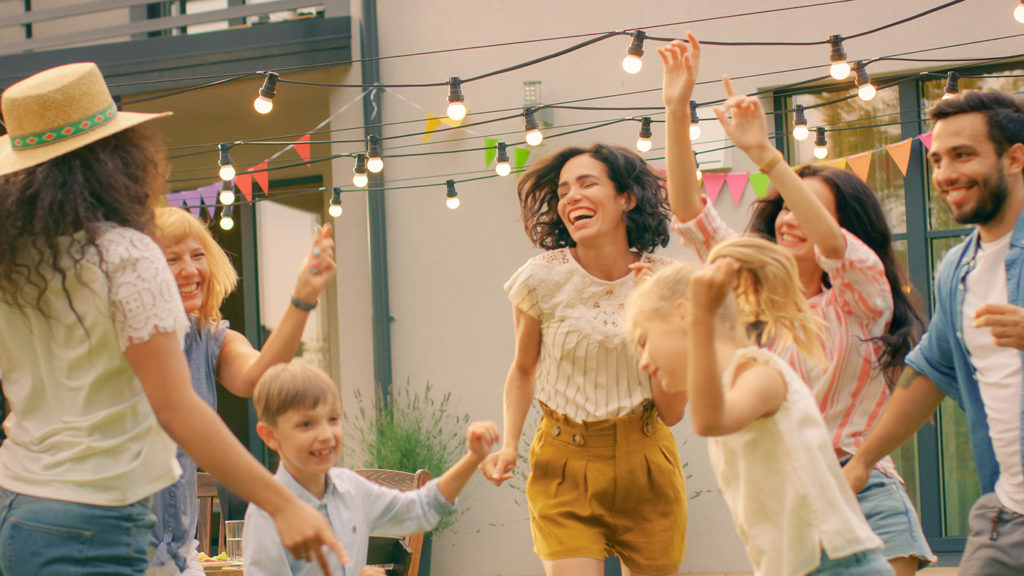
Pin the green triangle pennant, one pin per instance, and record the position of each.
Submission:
(521, 154)
(490, 149)
(761, 183)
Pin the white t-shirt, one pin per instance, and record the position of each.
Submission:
(998, 370)
(587, 368)
(81, 428)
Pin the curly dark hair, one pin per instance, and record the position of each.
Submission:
(1003, 112)
(110, 180)
(646, 223)
(860, 213)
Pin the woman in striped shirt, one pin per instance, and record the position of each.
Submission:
(834, 226)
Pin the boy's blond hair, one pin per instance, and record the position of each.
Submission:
(292, 386)
(175, 225)
(766, 301)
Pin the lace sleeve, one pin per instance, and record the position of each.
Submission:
(143, 296)
(523, 290)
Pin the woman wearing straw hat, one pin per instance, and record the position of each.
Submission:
(90, 349)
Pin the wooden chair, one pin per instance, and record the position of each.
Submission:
(402, 554)
(207, 494)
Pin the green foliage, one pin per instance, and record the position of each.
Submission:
(410, 431)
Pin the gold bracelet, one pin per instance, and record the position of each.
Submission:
(771, 163)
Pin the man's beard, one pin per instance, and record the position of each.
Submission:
(992, 194)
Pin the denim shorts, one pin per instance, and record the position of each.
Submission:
(892, 516)
(867, 563)
(40, 537)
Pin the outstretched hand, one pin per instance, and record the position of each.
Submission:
(747, 126)
(497, 467)
(481, 437)
(319, 267)
(680, 66)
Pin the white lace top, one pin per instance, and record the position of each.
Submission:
(587, 368)
(780, 478)
(80, 427)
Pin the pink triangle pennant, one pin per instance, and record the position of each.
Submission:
(261, 176)
(900, 153)
(244, 184)
(926, 139)
(209, 196)
(302, 148)
(713, 182)
(860, 164)
(737, 184)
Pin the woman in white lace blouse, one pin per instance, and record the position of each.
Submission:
(605, 474)
(91, 345)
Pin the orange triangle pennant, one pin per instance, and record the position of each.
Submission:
(261, 176)
(900, 153)
(860, 164)
(244, 184)
(302, 148)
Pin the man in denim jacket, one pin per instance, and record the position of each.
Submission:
(972, 351)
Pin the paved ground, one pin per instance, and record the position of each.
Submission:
(925, 572)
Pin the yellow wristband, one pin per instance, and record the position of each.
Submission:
(771, 163)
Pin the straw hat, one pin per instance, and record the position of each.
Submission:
(57, 111)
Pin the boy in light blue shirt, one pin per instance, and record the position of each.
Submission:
(299, 412)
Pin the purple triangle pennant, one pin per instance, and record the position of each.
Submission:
(209, 194)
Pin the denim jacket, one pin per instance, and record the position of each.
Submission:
(942, 354)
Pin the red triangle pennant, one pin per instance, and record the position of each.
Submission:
(244, 184)
(737, 184)
(713, 182)
(302, 148)
(261, 176)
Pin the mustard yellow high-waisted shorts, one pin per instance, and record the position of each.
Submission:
(610, 487)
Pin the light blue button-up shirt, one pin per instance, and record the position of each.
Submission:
(356, 508)
(943, 356)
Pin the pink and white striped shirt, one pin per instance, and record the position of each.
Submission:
(850, 389)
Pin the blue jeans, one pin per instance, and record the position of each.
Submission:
(43, 537)
(867, 563)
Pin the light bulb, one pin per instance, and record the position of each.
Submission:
(840, 68)
(699, 174)
(451, 196)
(694, 131)
(456, 111)
(694, 121)
(360, 180)
(227, 222)
(952, 87)
(820, 152)
(227, 172)
(643, 141)
(335, 208)
(1018, 12)
(866, 92)
(800, 132)
(534, 137)
(533, 134)
(820, 144)
(503, 168)
(375, 164)
(359, 176)
(633, 63)
(865, 89)
(264, 103)
(227, 196)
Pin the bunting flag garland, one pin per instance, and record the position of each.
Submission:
(434, 122)
(302, 148)
(193, 200)
(838, 163)
(176, 199)
(737, 182)
(261, 176)
(208, 194)
(490, 151)
(900, 153)
(244, 184)
(761, 183)
(713, 182)
(520, 156)
(926, 139)
(860, 164)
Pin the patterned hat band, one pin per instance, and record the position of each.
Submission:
(66, 131)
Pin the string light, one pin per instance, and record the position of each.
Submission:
(840, 68)
(820, 144)
(800, 131)
(359, 176)
(227, 169)
(227, 220)
(451, 197)
(1018, 12)
(264, 103)
(865, 89)
(503, 168)
(456, 108)
(633, 62)
(533, 134)
(227, 192)
(335, 208)
(694, 121)
(952, 85)
(374, 162)
(643, 142)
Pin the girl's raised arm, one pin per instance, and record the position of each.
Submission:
(747, 130)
